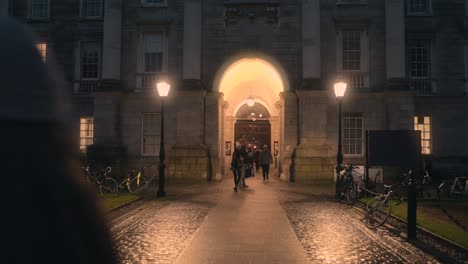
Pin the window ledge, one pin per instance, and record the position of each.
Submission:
(419, 15)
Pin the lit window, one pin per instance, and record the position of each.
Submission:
(42, 48)
(351, 45)
(86, 132)
(418, 7)
(352, 133)
(91, 8)
(39, 8)
(151, 133)
(423, 124)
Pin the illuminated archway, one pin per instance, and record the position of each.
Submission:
(244, 76)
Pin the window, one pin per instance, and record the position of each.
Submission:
(151, 133)
(86, 132)
(352, 134)
(351, 50)
(154, 2)
(418, 7)
(91, 8)
(42, 48)
(153, 52)
(423, 124)
(420, 65)
(39, 8)
(90, 60)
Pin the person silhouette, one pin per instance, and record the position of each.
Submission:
(49, 214)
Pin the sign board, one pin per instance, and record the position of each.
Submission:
(401, 148)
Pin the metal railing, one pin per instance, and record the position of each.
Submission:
(421, 85)
(86, 86)
(146, 81)
(357, 80)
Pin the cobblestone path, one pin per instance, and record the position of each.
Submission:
(158, 231)
(331, 232)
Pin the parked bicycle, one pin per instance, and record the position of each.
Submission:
(100, 178)
(354, 184)
(136, 180)
(456, 188)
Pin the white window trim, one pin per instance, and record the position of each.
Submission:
(141, 58)
(91, 17)
(364, 61)
(144, 4)
(142, 134)
(30, 10)
(428, 13)
(362, 138)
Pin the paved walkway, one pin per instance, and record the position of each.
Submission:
(270, 222)
(249, 226)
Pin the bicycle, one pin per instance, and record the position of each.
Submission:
(136, 181)
(354, 183)
(100, 178)
(457, 188)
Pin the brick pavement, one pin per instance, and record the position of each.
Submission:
(270, 222)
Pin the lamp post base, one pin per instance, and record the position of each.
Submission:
(161, 193)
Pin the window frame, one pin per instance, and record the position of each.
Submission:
(353, 116)
(91, 138)
(141, 75)
(82, 15)
(426, 13)
(156, 134)
(99, 66)
(31, 10)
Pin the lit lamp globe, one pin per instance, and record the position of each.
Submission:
(163, 88)
(250, 101)
(340, 89)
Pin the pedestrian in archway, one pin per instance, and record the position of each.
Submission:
(265, 160)
(50, 215)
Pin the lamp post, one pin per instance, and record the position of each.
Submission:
(340, 89)
(163, 91)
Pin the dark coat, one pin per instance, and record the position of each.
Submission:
(51, 216)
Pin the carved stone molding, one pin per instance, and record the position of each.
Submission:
(260, 11)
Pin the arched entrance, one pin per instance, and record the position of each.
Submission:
(239, 82)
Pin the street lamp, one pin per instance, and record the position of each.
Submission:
(340, 89)
(163, 91)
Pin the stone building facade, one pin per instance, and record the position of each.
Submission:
(405, 63)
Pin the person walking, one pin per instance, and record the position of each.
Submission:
(238, 164)
(265, 160)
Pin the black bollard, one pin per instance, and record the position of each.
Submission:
(412, 194)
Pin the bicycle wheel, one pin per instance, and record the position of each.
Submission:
(109, 185)
(135, 185)
(377, 212)
(351, 192)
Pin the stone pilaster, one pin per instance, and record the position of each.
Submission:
(290, 133)
(112, 40)
(192, 40)
(311, 71)
(395, 44)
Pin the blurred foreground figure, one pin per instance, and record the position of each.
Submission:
(48, 214)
